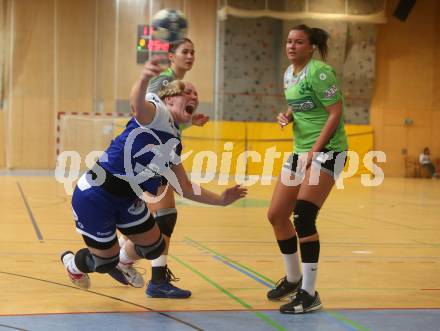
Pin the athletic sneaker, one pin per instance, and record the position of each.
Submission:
(80, 280)
(165, 289)
(302, 303)
(127, 275)
(283, 289)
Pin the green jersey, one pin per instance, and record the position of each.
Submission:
(158, 82)
(307, 94)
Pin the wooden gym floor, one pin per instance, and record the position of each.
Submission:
(379, 266)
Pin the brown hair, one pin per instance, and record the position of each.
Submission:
(172, 47)
(317, 37)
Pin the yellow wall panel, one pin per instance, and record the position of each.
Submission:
(406, 85)
(266, 142)
(2, 139)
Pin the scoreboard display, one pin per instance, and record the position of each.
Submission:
(146, 43)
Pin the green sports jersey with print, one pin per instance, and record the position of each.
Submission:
(307, 94)
(159, 82)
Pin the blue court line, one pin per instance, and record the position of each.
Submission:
(347, 323)
(31, 215)
(243, 271)
(243, 303)
(225, 258)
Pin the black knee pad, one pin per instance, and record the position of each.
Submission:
(166, 220)
(153, 251)
(84, 260)
(88, 262)
(104, 265)
(304, 218)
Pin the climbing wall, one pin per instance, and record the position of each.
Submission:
(252, 59)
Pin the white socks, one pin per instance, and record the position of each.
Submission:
(310, 271)
(161, 261)
(123, 257)
(291, 264)
(69, 264)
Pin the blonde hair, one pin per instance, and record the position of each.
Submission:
(176, 87)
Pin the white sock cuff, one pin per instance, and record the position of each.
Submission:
(161, 261)
(123, 257)
(291, 264)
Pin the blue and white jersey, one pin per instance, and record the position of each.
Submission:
(142, 154)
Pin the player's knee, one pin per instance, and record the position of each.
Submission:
(304, 218)
(88, 262)
(276, 217)
(166, 220)
(151, 252)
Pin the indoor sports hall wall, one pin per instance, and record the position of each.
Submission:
(253, 56)
(64, 56)
(407, 85)
(255, 148)
(237, 148)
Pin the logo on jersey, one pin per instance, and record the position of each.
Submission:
(164, 155)
(304, 87)
(331, 91)
(137, 207)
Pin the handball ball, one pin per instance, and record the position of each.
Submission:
(169, 25)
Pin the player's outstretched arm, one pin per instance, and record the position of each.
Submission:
(144, 111)
(196, 193)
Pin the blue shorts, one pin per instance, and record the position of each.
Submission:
(98, 213)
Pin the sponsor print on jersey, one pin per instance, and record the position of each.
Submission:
(331, 91)
(104, 233)
(300, 105)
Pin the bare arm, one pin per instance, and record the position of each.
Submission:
(143, 111)
(228, 196)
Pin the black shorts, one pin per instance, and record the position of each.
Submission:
(330, 162)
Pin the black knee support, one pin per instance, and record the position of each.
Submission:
(288, 246)
(105, 264)
(304, 218)
(151, 252)
(88, 262)
(166, 220)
